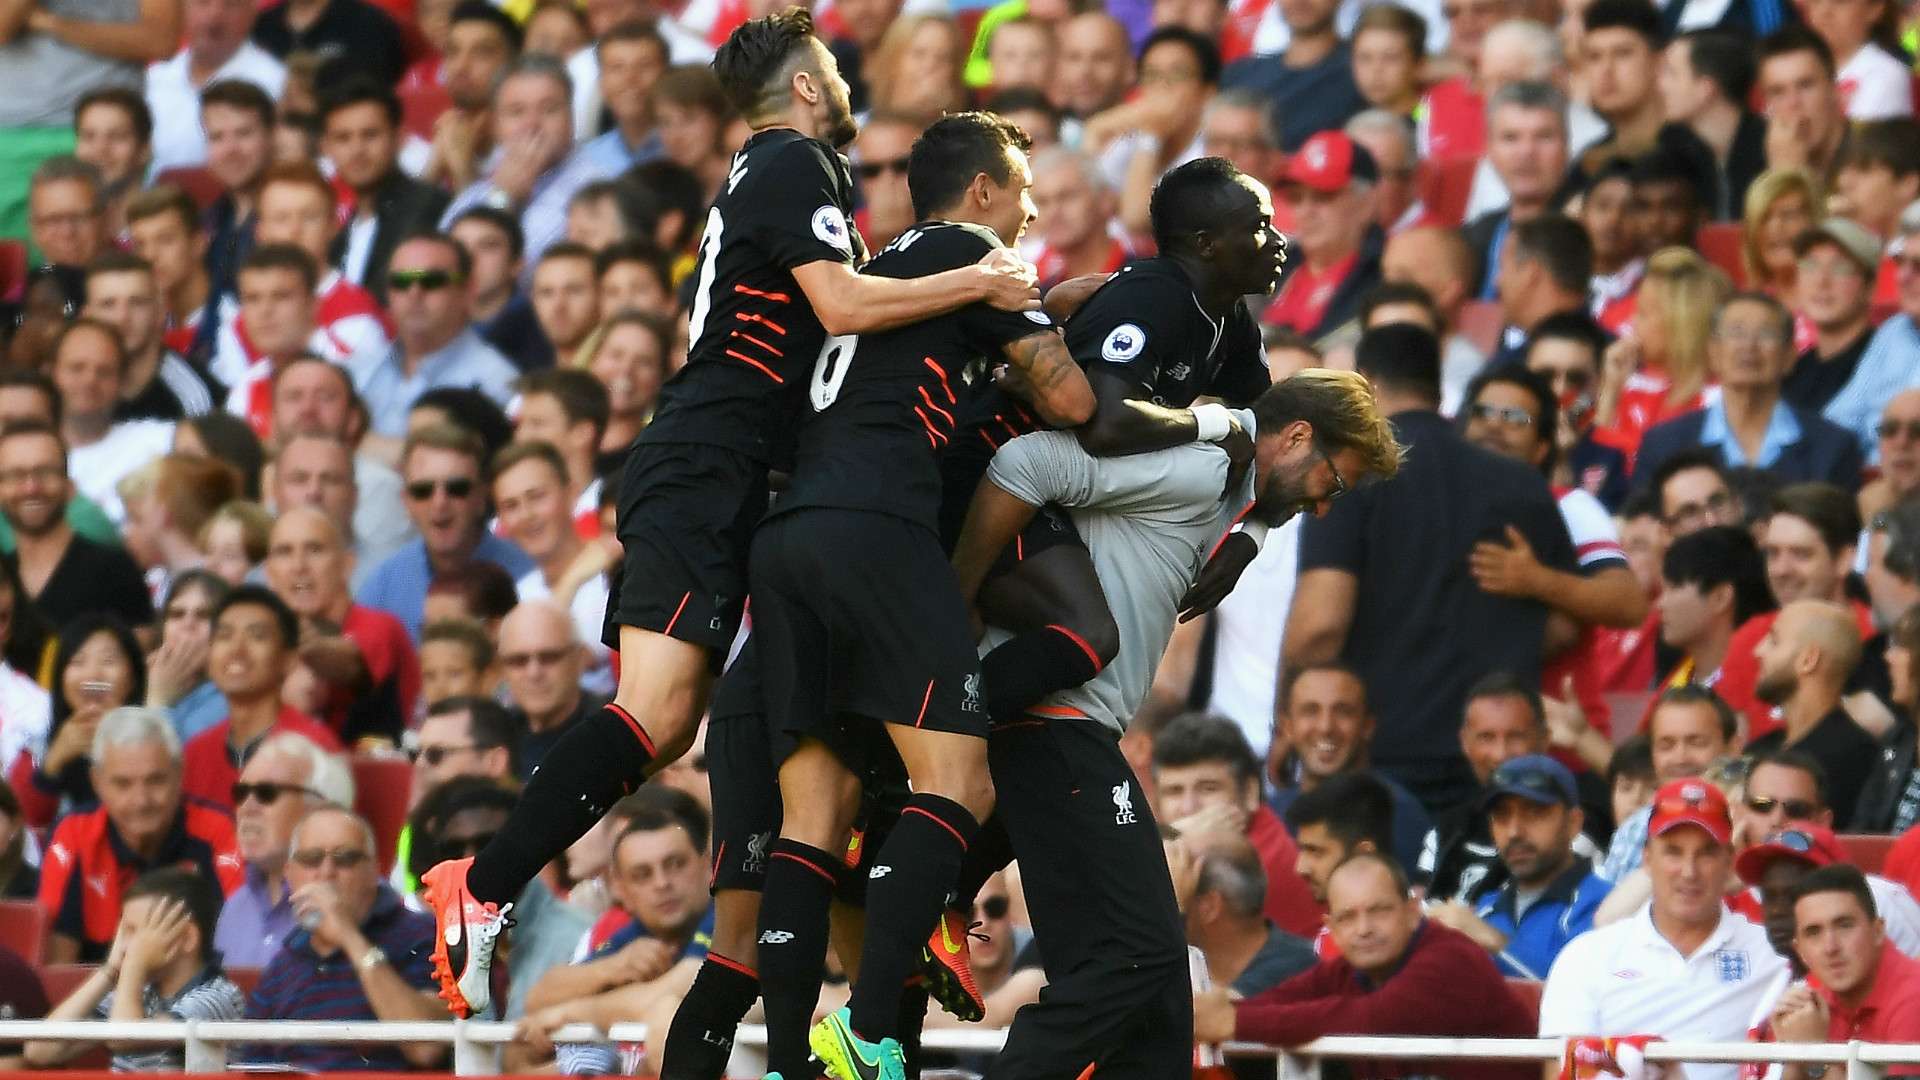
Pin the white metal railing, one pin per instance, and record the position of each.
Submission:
(476, 1044)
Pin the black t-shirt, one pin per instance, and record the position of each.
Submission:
(1843, 749)
(1146, 326)
(1305, 100)
(179, 388)
(93, 577)
(1423, 632)
(788, 202)
(883, 405)
(351, 36)
(1812, 382)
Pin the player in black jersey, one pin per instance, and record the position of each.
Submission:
(865, 645)
(776, 275)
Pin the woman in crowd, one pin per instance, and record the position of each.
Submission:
(96, 669)
(628, 354)
(1781, 204)
(1658, 369)
(694, 118)
(918, 67)
(177, 669)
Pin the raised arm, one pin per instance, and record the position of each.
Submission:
(1046, 377)
(851, 303)
(153, 36)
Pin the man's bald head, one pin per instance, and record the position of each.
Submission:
(1436, 259)
(1824, 626)
(308, 521)
(541, 621)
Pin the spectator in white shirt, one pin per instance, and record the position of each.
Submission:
(1683, 968)
(89, 368)
(530, 491)
(218, 47)
(1873, 83)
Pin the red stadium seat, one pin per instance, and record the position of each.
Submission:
(421, 107)
(381, 786)
(246, 978)
(1867, 852)
(1528, 991)
(1445, 186)
(13, 269)
(60, 980)
(1481, 323)
(1720, 243)
(23, 928)
(195, 181)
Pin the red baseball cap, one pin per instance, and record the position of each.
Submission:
(1801, 840)
(1329, 161)
(1691, 802)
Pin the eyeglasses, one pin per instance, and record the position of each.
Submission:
(1888, 429)
(345, 858)
(268, 792)
(874, 170)
(1339, 482)
(434, 755)
(430, 280)
(73, 220)
(993, 907)
(1795, 808)
(1510, 415)
(458, 847)
(544, 657)
(458, 487)
(1716, 507)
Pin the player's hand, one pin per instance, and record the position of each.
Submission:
(1009, 282)
(1219, 576)
(1239, 447)
(1065, 298)
(1213, 1017)
(1505, 570)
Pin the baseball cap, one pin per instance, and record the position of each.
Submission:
(1801, 840)
(1329, 161)
(1856, 241)
(1534, 777)
(1691, 802)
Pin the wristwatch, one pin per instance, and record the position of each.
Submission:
(372, 958)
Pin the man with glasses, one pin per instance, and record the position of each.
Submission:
(255, 635)
(435, 343)
(358, 954)
(1694, 492)
(464, 736)
(440, 465)
(287, 777)
(543, 658)
(66, 212)
(1887, 366)
(879, 158)
(1834, 290)
(1750, 424)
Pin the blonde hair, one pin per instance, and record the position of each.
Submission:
(1768, 188)
(1343, 412)
(886, 78)
(191, 489)
(1691, 289)
(256, 527)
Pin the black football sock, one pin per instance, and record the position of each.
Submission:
(701, 1038)
(604, 758)
(989, 853)
(913, 1017)
(1022, 670)
(793, 948)
(905, 891)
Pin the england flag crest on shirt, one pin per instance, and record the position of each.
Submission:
(1732, 965)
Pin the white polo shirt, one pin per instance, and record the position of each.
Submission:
(1626, 979)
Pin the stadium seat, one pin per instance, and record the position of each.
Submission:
(1867, 852)
(197, 182)
(1445, 186)
(1528, 991)
(420, 108)
(23, 928)
(13, 270)
(246, 978)
(1720, 243)
(1481, 323)
(381, 786)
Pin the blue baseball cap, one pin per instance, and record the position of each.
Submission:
(1534, 777)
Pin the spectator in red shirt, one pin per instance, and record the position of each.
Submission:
(142, 824)
(1859, 986)
(255, 634)
(308, 563)
(1330, 185)
(1398, 973)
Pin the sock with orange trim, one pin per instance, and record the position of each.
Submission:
(793, 947)
(1025, 669)
(701, 1037)
(602, 759)
(906, 889)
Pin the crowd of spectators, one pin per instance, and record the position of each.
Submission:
(328, 323)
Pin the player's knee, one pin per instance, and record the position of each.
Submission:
(1101, 634)
(972, 791)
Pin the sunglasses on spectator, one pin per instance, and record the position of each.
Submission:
(1796, 808)
(268, 792)
(345, 858)
(456, 847)
(993, 907)
(544, 657)
(457, 488)
(1510, 415)
(874, 170)
(1889, 429)
(434, 755)
(430, 280)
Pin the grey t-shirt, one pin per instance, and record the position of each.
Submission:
(45, 75)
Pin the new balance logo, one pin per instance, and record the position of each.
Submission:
(775, 937)
(879, 872)
(971, 684)
(1123, 803)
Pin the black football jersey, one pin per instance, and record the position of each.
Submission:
(1146, 326)
(883, 406)
(753, 337)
